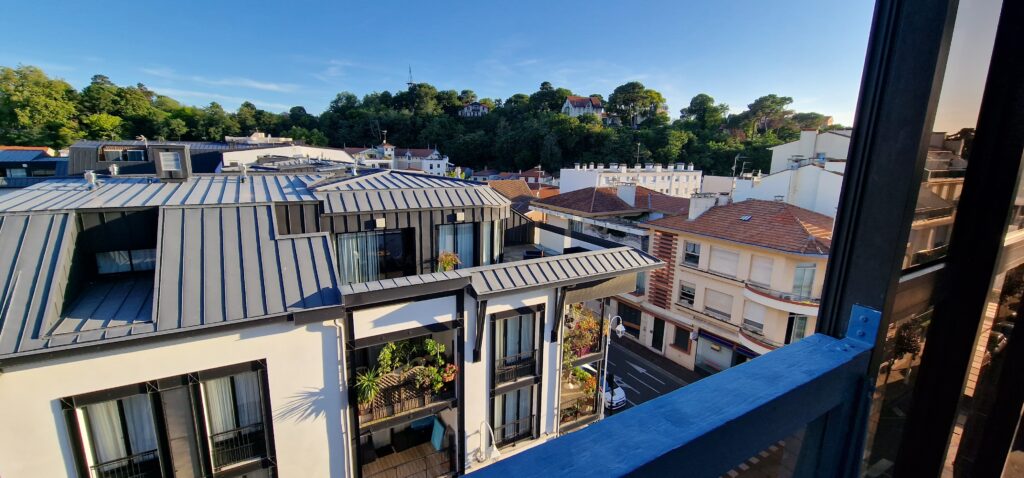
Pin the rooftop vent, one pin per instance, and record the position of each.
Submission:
(172, 162)
(745, 217)
(113, 168)
(90, 179)
(779, 198)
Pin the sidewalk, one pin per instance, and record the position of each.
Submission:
(659, 361)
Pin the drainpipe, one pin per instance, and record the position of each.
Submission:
(346, 430)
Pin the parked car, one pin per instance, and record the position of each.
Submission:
(615, 398)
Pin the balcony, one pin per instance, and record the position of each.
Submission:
(514, 367)
(784, 301)
(139, 465)
(411, 453)
(752, 337)
(241, 445)
(514, 431)
(718, 314)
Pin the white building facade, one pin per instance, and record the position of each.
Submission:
(680, 180)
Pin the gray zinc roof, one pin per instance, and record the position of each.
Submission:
(215, 265)
(127, 192)
(392, 190)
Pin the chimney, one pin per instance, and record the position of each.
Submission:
(90, 179)
(700, 203)
(937, 139)
(243, 169)
(627, 193)
(576, 165)
(659, 167)
(113, 169)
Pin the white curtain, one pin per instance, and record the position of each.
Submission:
(358, 254)
(761, 270)
(511, 336)
(220, 409)
(803, 280)
(247, 397)
(487, 243)
(724, 261)
(105, 432)
(138, 414)
(511, 407)
(113, 262)
(526, 333)
(464, 244)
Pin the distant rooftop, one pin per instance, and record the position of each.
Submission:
(605, 201)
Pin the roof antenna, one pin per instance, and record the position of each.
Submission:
(410, 83)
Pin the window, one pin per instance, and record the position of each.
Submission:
(687, 293)
(115, 262)
(718, 305)
(135, 155)
(234, 418)
(491, 241)
(138, 155)
(753, 317)
(641, 283)
(458, 238)
(691, 254)
(366, 256)
(170, 161)
(575, 226)
(630, 319)
(761, 270)
(16, 173)
(512, 416)
(514, 348)
(681, 339)
(724, 261)
(120, 437)
(797, 328)
(803, 280)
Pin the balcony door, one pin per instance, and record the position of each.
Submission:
(658, 335)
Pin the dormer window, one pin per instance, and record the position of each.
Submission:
(136, 155)
(170, 161)
(115, 262)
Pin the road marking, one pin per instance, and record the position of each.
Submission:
(630, 402)
(733, 473)
(611, 363)
(643, 382)
(744, 466)
(764, 454)
(644, 371)
(753, 460)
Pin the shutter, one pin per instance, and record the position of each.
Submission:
(761, 270)
(724, 261)
(754, 312)
(718, 301)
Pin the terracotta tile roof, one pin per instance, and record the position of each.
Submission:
(534, 173)
(606, 202)
(516, 190)
(771, 224)
(584, 101)
(44, 149)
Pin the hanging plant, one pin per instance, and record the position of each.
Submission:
(449, 373)
(447, 261)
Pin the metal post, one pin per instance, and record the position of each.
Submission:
(604, 367)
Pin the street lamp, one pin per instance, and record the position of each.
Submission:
(620, 330)
(493, 449)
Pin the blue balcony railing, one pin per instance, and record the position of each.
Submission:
(816, 388)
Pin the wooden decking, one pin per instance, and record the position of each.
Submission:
(420, 461)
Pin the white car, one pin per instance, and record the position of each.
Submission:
(615, 398)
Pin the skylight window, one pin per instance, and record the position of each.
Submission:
(745, 217)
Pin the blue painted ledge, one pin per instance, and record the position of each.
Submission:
(708, 427)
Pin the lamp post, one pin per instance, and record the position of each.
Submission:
(619, 331)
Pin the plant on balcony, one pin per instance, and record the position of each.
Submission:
(435, 351)
(430, 378)
(447, 261)
(590, 385)
(449, 372)
(368, 385)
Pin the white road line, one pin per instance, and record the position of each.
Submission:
(753, 460)
(643, 382)
(630, 402)
(744, 466)
(611, 363)
(655, 378)
(733, 473)
(764, 454)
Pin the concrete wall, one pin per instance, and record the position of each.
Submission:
(246, 156)
(809, 187)
(301, 368)
(397, 317)
(575, 179)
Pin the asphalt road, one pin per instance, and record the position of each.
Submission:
(640, 379)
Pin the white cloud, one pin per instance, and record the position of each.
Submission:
(205, 97)
(234, 82)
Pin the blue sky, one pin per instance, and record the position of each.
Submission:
(280, 54)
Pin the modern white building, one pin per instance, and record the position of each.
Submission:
(235, 158)
(257, 138)
(675, 180)
(387, 156)
(284, 325)
(812, 147)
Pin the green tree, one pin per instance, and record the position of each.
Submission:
(36, 110)
(633, 100)
(215, 123)
(100, 96)
(102, 126)
(703, 116)
(467, 96)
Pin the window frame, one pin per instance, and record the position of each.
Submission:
(689, 252)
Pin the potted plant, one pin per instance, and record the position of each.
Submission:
(430, 378)
(367, 387)
(447, 261)
(449, 372)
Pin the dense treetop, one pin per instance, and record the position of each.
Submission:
(520, 132)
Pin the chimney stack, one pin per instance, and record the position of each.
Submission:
(700, 203)
(627, 193)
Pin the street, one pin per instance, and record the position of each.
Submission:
(639, 378)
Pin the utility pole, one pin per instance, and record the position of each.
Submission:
(638, 154)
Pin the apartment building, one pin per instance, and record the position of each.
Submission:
(744, 279)
(388, 156)
(675, 180)
(282, 325)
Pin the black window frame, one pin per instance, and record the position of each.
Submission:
(688, 254)
(629, 325)
(408, 263)
(682, 334)
(681, 300)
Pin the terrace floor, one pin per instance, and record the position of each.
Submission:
(515, 253)
(420, 461)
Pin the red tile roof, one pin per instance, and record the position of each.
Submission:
(584, 101)
(606, 202)
(45, 149)
(534, 173)
(772, 224)
(516, 190)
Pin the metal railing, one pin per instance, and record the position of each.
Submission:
(928, 255)
(139, 465)
(723, 316)
(513, 367)
(755, 334)
(401, 398)
(514, 431)
(927, 214)
(752, 326)
(238, 445)
(575, 409)
(784, 296)
(435, 464)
